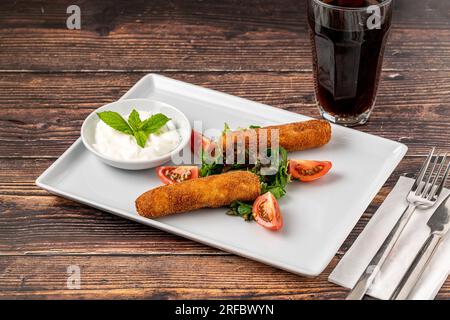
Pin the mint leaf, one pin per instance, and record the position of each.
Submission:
(135, 126)
(154, 123)
(141, 138)
(134, 120)
(115, 121)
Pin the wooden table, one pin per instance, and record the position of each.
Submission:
(51, 78)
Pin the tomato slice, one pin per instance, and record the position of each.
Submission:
(308, 170)
(171, 175)
(200, 142)
(267, 212)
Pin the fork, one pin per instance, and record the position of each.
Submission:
(423, 194)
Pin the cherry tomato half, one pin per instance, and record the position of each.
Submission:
(267, 212)
(308, 170)
(200, 142)
(171, 175)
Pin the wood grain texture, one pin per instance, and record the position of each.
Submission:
(161, 277)
(157, 277)
(58, 112)
(51, 78)
(179, 35)
(58, 226)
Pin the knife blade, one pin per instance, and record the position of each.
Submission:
(439, 224)
(440, 220)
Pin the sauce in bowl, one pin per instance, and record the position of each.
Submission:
(120, 146)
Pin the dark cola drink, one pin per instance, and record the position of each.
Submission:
(348, 38)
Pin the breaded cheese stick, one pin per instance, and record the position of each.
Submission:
(208, 192)
(295, 136)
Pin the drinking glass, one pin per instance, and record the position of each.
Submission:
(348, 38)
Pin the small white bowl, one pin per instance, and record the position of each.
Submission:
(125, 107)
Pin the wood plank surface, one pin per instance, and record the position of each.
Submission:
(157, 277)
(161, 277)
(58, 226)
(57, 113)
(198, 35)
(51, 78)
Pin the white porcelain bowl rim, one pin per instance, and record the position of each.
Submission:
(181, 145)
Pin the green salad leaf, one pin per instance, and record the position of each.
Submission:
(210, 165)
(241, 209)
(226, 128)
(275, 183)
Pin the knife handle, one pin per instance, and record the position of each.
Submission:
(369, 274)
(415, 270)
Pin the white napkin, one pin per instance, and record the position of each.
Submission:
(352, 265)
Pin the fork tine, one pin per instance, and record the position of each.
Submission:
(432, 186)
(422, 171)
(437, 192)
(423, 190)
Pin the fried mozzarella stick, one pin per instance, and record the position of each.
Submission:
(208, 192)
(295, 136)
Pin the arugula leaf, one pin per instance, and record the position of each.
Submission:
(115, 121)
(277, 191)
(242, 209)
(210, 167)
(282, 176)
(154, 123)
(226, 128)
(134, 120)
(276, 184)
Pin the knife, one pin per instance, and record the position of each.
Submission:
(439, 224)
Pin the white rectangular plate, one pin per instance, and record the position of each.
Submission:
(317, 216)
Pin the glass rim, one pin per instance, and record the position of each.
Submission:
(342, 8)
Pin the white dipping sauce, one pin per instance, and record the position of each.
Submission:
(121, 146)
